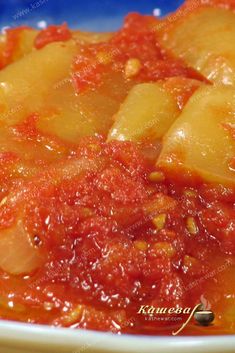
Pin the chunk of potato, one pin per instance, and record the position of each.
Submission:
(17, 253)
(204, 39)
(27, 36)
(91, 37)
(16, 44)
(25, 84)
(198, 140)
(41, 82)
(26, 44)
(85, 114)
(29, 152)
(148, 112)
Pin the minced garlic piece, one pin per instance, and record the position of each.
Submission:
(165, 249)
(159, 221)
(73, 315)
(104, 57)
(132, 67)
(86, 212)
(4, 200)
(156, 176)
(141, 245)
(190, 193)
(191, 225)
(48, 306)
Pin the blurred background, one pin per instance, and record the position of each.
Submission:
(93, 15)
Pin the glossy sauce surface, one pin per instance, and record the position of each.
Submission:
(93, 229)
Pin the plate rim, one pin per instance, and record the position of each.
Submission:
(43, 336)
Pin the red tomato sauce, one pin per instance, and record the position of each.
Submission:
(9, 48)
(112, 237)
(52, 34)
(104, 255)
(137, 39)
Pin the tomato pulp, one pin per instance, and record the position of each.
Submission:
(112, 233)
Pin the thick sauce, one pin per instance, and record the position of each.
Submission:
(108, 230)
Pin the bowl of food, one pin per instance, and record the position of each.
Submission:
(117, 198)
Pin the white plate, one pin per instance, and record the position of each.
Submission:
(25, 338)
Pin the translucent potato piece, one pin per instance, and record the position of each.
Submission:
(41, 82)
(15, 44)
(29, 152)
(91, 37)
(198, 140)
(84, 114)
(25, 44)
(27, 38)
(204, 39)
(64, 118)
(25, 84)
(17, 253)
(147, 112)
